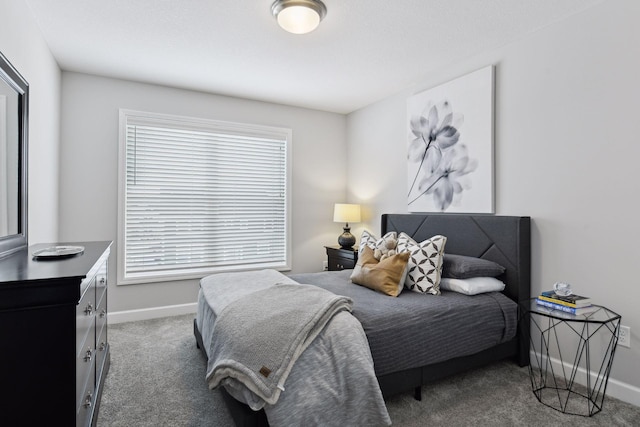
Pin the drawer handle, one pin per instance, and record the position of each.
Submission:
(88, 355)
(88, 310)
(103, 345)
(103, 313)
(87, 401)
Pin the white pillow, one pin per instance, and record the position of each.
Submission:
(424, 268)
(472, 286)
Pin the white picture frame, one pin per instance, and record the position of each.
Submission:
(450, 153)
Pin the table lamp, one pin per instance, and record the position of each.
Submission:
(343, 212)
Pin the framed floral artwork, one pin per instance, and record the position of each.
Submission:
(450, 146)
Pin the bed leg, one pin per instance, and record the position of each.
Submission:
(417, 393)
(196, 334)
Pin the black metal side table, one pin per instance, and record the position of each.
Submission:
(578, 385)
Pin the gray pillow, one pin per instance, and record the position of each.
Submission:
(466, 267)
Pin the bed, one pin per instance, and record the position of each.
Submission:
(502, 239)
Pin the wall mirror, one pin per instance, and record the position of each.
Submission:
(14, 118)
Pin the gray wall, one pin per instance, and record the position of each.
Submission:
(566, 148)
(89, 172)
(23, 45)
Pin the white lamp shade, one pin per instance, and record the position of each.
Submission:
(344, 212)
(298, 19)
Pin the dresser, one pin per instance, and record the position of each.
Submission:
(53, 336)
(339, 258)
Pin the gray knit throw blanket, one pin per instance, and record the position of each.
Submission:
(258, 337)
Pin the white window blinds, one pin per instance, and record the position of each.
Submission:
(200, 196)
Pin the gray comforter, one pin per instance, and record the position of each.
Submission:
(428, 328)
(321, 370)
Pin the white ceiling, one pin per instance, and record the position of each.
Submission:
(363, 51)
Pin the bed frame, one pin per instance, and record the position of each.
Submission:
(502, 239)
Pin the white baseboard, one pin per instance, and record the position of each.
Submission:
(151, 313)
(623, 391)
(615, 388)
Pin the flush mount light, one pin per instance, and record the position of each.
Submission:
(298, 16)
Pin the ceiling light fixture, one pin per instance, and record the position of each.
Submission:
(298, 16)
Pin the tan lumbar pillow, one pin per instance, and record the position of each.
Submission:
(386, 276)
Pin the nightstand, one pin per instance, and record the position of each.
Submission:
(341, 258)
(560, 384)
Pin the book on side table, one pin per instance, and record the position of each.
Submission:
(573, 300)
(581, 310)
(574, 304)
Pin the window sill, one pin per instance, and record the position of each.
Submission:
(177, 276)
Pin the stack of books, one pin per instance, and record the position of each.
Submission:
(574, 304)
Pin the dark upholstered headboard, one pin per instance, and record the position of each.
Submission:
(502, 239)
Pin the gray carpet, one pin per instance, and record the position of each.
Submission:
(157, 379)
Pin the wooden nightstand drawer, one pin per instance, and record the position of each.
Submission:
(340, 258)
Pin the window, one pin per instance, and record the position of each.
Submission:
(200, 196)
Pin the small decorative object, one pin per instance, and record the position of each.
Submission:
(563, 289)
(450, 155)
(58, 252)
(346, 213)
(383, 248)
